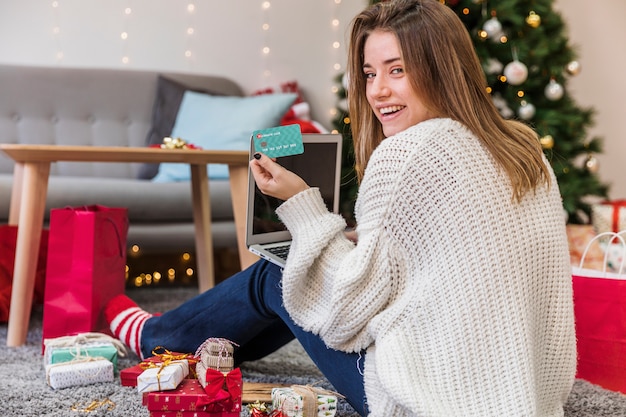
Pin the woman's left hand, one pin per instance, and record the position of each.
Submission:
(274, 180)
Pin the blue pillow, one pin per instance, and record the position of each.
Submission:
(221, 123)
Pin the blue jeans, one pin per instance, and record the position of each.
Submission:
(247, 309)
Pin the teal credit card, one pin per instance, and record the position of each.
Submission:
(279, 141)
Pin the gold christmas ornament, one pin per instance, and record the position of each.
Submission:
(547, 142)
(533, 20)
(573, 68)
(592, 165)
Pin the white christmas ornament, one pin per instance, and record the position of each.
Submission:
(526, 111)
(554, 91)
(493, 28)
(506, 112)
(493, 66)
(515, 72)
(502, 106)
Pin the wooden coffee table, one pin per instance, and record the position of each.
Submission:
(28, 200)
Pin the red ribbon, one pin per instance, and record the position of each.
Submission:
(617, 205)
(222, 387)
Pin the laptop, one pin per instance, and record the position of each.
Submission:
(319, 166)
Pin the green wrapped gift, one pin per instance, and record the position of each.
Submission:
(54, 355)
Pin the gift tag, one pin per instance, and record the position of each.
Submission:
(279, 141)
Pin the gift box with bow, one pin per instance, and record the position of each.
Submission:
(609, 216)
(128, 376)
(191, 414)
(189, 397)
(166, 376)
(81, 346)
(223, 390)
(79, 372)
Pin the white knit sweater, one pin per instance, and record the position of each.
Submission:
(461, 297)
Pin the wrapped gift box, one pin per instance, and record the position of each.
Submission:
(188, 397)
(167, 376)
(292, 401)
(193, 414)
(215, 353)
(609, 216)
(107, 351)
(128, 376)
(79, 372)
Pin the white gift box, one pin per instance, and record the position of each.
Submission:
(163, 377)
(79, 372)
(293, 401)
(609, 216)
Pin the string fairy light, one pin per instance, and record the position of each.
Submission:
(189, 55)
(336, 45)
(56, 30)
(265, 29)
(124, 34)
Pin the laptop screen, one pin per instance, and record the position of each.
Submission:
(319, 166)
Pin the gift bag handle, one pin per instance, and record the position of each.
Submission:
(117, 231)
(615, 235)
(119, 237)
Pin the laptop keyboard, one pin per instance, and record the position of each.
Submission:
(280, 251)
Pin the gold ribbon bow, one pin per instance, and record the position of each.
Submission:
(163, 359)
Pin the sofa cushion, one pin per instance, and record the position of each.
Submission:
(222, 123)
(168, 97)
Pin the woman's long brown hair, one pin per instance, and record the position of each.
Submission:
(440, 60)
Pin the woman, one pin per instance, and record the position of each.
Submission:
(456, 300)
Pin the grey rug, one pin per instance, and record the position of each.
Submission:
(24, 392)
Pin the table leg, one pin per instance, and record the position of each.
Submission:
(238, 175)
(16, 194)
(33, 191)
(202, 219)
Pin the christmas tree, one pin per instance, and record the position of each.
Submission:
(527, 60)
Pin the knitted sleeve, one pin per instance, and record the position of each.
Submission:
(332, 287)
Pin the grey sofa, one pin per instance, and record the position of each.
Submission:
(108, 107)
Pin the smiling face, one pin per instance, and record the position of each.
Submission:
(388, 88)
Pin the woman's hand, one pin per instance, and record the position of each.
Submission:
(351, 235)
(274, 180)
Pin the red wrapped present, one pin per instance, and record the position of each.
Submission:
(224, 388)
(128, 376)
(188, 396)
(193, 414)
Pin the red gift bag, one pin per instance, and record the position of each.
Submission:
(600, 312)
(86, 268)
(8, 239)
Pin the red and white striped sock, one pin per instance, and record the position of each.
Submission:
(126, 321)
